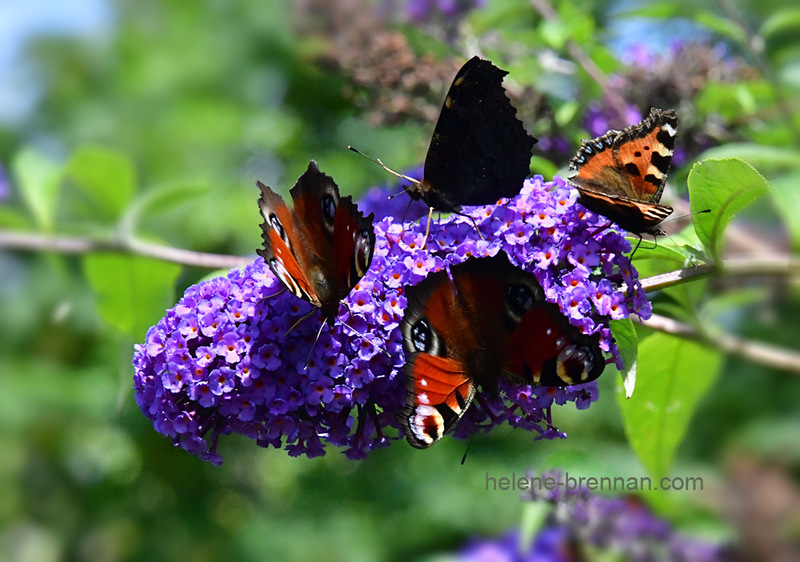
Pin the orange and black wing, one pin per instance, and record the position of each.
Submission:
(281, 236)
(438, 388)
(324, 247)
(621, 175)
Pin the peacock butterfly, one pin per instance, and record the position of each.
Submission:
(320, 250)
(621, 174)
(479, 151)
(490, 320)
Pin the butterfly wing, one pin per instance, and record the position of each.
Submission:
(621, 175)
(322, 249)
(353, 244)
(281, 236)
(341, 239)
(437, 395)
(438, 388)
(479, 151)
(644, 151)
(535, 341)
(546, 350)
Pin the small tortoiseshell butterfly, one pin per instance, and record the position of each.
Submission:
(490, 321)
(621, 174)
(320, 250)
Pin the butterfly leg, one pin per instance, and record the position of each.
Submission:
(547, 419)
(362, 335)
(310, 351)
(299, 320)
(637, 246)
(474, 224)
(427, 227)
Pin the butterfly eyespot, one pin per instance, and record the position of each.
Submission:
(328, 208)
(363, 252)
(519, 299)
(421, 336)
(575, 364)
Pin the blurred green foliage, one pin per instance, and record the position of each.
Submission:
(159, 130)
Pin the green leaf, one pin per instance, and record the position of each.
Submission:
(726, 187)
(674, 374)
(628, 344)
(786, 196)
(566, 113)
(132, 291)
(543, 166)
(106, 176)
(759, 155)
(163, 199)
(14, 219)
(38, 179)
(654, 10)
(534, 517)
(555, 33)
(783, 21)
(721, 25)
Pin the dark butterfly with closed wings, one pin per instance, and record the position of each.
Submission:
(490, 321)
(621, 175)
(323, 247)
(479, 151)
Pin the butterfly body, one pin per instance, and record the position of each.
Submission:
(479, 151)
(323, 247)
(621, 175)
(490, 321)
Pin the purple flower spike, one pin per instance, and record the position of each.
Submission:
(221, 360)
(585, 526)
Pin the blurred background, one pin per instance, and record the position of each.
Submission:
(153, 119)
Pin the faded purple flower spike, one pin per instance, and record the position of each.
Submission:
(583, 523)
(221, 360)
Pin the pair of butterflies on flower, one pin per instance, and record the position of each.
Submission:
(487, 318)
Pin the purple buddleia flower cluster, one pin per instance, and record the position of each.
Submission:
(586, 526)
(229, 357)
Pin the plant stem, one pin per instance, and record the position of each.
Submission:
(757, 352)
(75, 245)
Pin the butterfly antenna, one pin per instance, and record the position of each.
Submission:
(469, 444)
(655, 238)
(310, 351)
(382, 165)
(683, 216)
(299, 320)
(276, 294)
